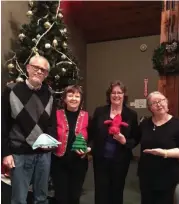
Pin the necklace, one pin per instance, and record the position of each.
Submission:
(164, 121)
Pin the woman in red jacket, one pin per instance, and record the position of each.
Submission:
(70, 164)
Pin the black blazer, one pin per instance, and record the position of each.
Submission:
(98, 132)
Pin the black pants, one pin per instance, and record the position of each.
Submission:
(149, 196)
(68, 176)
(109, 177)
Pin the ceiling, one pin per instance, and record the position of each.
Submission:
(112, 20)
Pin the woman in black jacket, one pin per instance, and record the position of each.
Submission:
(112, 153)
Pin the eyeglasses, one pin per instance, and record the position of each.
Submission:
(155, 103)
(117, 93)
(37, 68)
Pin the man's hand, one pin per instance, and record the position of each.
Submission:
(82, 153)
(8, 162)
(120, 138)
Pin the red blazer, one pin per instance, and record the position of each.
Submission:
(63, 129)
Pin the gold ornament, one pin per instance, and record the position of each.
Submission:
(38, 36)
(55, 42)
(47, 25)
(64, 45)
(63, 56)
(10, 66)
(62, 31)
(31, 3)
(19, 79)
(21, 36)
(29, 13)
(35, 50)
(60, 15)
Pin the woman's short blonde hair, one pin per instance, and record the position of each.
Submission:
(154, 93)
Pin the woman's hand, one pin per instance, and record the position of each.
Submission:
(120, 138)
(82, 153)
(157, 152)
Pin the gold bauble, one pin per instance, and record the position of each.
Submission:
(31, 3)
(47, 25)
(21, 36)
(19, 79)
(34, 49)
(63, 56)
(55, 42)
(29, 13)
(10, 66)
(60, 15)
(64, 45)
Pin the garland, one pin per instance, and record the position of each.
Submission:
(169, 52)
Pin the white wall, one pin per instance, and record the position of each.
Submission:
(121, 59)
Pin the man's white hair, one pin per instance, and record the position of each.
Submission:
(35, 57)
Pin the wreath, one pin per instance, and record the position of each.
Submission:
(169, 52)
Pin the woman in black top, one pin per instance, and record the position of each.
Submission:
(112, 153)
(158, 171)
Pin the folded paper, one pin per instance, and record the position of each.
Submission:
(45, 141)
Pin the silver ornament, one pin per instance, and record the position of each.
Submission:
(38, 36)
(64, 30)
(31, 3)
(57, 77)
(10, 66)
(21, 36)
(34, 40)
(19, 79)
(55, 42)
(64, 70)
(60, 15)
(47, 25)
(64, 45)
(63, 57)
(29, 13)
(47, 45)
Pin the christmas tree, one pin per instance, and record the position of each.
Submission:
(46, 35)
(79, 143)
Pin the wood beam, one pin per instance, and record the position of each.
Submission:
(169, 85)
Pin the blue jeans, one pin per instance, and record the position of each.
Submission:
(35, 169)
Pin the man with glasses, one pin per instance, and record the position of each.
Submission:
(28, 110)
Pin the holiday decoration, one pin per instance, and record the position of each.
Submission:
(31, 3)
(45, 35)
(10, 66)
(79, 144)
(115, 125)
(19, 79)
(21, 36)
(29, 13)
(47, 25)
(169, 52)
(55, 43)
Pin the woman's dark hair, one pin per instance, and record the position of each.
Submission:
(72, 89)
(110, 88)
